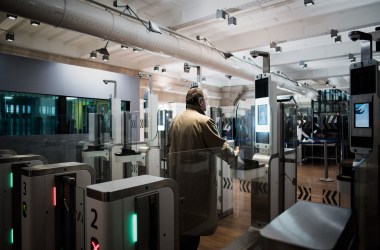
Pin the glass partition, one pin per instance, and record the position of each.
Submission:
(197, 177)
(323, 151)
(113, 147)
(37, 114)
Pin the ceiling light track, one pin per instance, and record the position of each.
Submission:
(198, 53)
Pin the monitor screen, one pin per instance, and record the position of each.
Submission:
(261, 88)
(363, 80)
(263, 114)
(362, 115)
(262, 137)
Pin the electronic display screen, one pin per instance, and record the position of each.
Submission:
(363, 80)
(261, 88)
(362, 115)
(262, 137)
(263, 114)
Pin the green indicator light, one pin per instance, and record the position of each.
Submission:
(11, 236)
(134, 228)
(10, 180)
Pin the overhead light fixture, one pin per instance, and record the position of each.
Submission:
(106, 58)
(124, 47)
(229, 77)
(303, 64)
(163, 70)
(338, 39)
(104, 50)
(273, 45)
(351, 57)
(278, 49)
(227, 55)
(221, 14)
(156, 68)
(11, 16)
(136, 50)
(34, 23)
(10, 37)
(334, 33)
(308, 2)
(186, 68)
(231, 20)
(93, 55)
(152, 27)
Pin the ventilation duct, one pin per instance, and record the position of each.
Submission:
(109, 24)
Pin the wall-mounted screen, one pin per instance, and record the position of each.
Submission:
(261, 88)
(362, 115)
(263, 114)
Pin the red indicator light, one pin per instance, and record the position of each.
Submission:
(54, 196)
(95, 244)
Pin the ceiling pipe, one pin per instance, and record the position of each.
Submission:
(107, 23)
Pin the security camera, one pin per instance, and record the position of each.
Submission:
(354, 36)
(108, 81)
(142, 74)
(359, 35)
(256, 53)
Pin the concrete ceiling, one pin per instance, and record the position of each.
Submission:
(303, 33)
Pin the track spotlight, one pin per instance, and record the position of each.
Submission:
(11, 16)
(186, 68)
(338, 39)
(273, 45)
(221, 14)
(136, 50)
(303, 64)
(93, 55)
(156, 68)
(278, 49)
(229, 77)
(34, 23)
(124, 47)
(105, 58)
(308, 2)
(231, 20)
(351, 57)
(334, 33)
(104, 50)
(227, 55)
(10, 37)
(163, 70)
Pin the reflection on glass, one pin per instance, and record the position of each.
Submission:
(35, 114)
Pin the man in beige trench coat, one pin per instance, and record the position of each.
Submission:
(193, 143)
